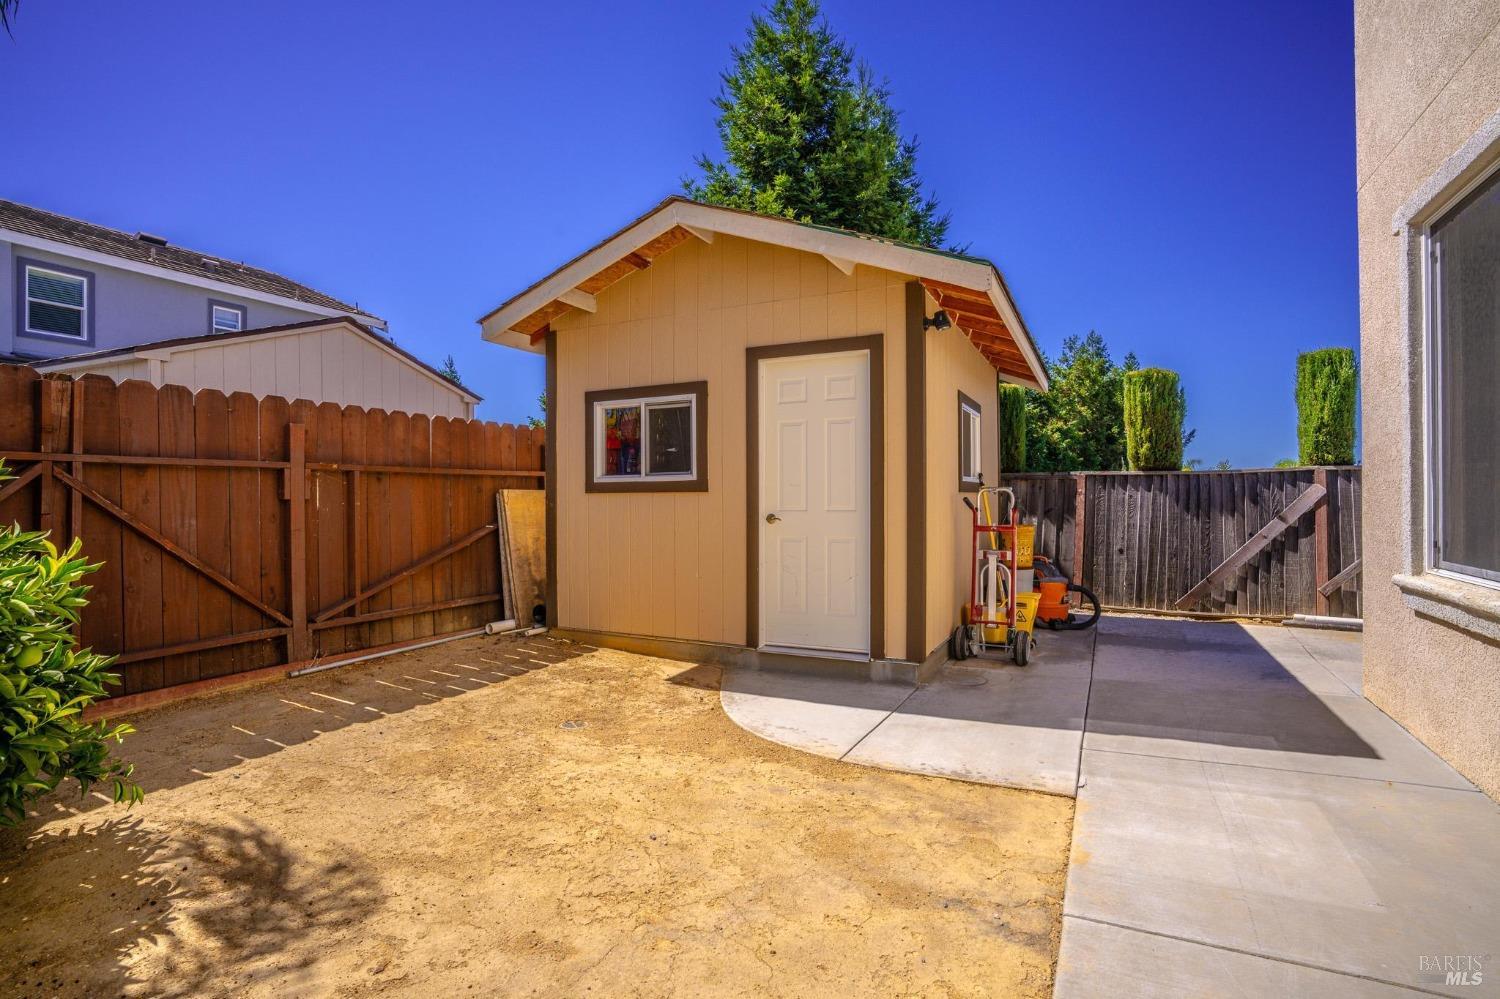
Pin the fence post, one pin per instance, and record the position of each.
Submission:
(1320, 544)
(296, 494)
(1079, 495)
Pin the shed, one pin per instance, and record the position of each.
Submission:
(338, 360)
(760, 433)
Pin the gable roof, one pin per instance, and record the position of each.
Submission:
(216, 339)
(970, 289)
(154, 252)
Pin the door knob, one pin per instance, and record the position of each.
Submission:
(771, 518)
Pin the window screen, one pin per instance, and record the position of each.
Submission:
(970, 465)
(227, 319)
(1465, 246)
(56, 303)
(671, 430)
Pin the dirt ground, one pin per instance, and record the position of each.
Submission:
(496, 817)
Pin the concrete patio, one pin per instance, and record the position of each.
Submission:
(1247, 823)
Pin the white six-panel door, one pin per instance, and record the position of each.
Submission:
(814, 516)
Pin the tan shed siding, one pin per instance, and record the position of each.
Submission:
(334, 365)
(672, 565)
(953, 366)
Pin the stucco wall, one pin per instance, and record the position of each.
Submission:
(129, 308)
(1427, 80)
(953, 365)
(672, 565)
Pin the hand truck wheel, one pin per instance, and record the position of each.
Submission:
(1021, 650)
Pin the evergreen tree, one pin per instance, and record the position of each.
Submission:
(807, 135)
(1012, 428)
(1079, 426)
(1327, 387)
(1155, 407)
(450, 370)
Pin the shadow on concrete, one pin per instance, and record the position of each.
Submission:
(180, 743)
(84, 907)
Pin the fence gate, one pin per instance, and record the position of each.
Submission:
(239, 533)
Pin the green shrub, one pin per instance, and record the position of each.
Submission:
(1155, 407)
(1327, 387)
(45, 682)
(1012, 428)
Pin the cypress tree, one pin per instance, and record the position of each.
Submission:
(1155, 407)
(1012, 428)
(807, 135)
(1327, 387)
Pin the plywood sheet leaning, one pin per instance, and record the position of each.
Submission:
(522, 517)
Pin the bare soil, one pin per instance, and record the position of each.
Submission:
(497, 817)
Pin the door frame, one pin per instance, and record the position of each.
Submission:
(874, 345)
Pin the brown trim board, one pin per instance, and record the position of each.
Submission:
(549, 463)
(697, 484)
(916, 472)
(875, 345)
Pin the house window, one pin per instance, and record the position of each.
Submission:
(648, 439)
(1463, 311)
(56, 302)
(970, 462)
(225, 318)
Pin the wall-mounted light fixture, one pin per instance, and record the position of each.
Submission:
(939, 321)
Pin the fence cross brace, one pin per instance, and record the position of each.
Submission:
(1305, 501)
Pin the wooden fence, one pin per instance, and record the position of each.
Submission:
(239, 533)
(1144, 540)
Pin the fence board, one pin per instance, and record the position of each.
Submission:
(225, 427)
(179, 520)
(140, 559)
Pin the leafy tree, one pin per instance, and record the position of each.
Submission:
(449, 370)
(807, 135)
(46, 682)
(1327, 385)
(1155, 406)
(1079, 425)
(1012, 428)
(539, 422)
(1286, 463)
(8, 10)
(1224, 466)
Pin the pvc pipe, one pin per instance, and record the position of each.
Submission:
(497, 627)
(320, 667)
(1321, 621)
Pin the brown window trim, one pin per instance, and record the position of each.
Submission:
(966, 485)
(645, 484)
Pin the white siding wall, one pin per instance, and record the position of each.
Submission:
(335, 365)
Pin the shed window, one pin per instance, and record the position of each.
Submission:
(224, 318)
(56, 303)
(648, 439)
(970, 462)
(1464, 319)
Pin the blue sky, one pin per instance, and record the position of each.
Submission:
(1179, 177)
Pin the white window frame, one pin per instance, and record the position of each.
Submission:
(83, 310)
(973, 412)
(646, 404)
(1432, 399)
(214, 308)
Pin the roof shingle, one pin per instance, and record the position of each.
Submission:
(100, 239)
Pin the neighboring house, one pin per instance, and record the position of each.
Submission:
(323, 360)
(1428, 109)
(82, 298)
(67, 287)
(763, 433)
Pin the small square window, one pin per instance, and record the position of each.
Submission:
(649, 439)
(57, 302)
(970, 452)
(225, 318)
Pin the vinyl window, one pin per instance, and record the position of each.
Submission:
(1463, 391)
(646, 439)
(970, 434)
(57, 303)
(225, 318)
